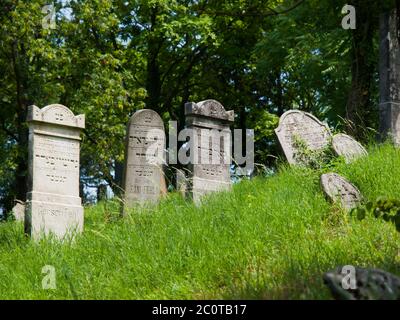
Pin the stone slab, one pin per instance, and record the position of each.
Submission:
(339, 190)
(348, 147)
(304, 126)
(144, 180)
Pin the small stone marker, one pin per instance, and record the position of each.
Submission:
(19, 211)
(349, 148)
(298, 124)
(181, 182)
(210, 170)
(338, 189)
(144, 180)
(53, 203)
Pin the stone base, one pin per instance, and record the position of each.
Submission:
(200, 187)
(45, 218)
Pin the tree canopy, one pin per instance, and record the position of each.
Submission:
(107, 59)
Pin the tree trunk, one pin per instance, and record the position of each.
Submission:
(20, 67)
(359, 106)
(153, 79)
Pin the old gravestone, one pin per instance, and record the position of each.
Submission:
(211, 159)
(53, 203)
(389, 74)
(18, 211)
(144, 180)
(338, 189)
(346, 146)
(295, 124)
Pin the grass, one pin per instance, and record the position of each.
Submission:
(270, 238)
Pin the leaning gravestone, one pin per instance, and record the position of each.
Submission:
(210, 166)
(53, 203)
(144, 180)
(349, 148)
(338, 189)
(295, 124)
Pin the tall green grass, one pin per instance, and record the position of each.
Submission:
(270, 238)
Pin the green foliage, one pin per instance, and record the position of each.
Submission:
(383, 208)
(314, 159)
(107, 59)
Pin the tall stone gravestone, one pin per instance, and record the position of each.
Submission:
(211, 148)
(53, 203)
(144, 180)
(295, 125)
(389, 72)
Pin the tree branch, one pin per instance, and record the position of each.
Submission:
(253, 14)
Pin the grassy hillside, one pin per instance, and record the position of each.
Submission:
(269, 238)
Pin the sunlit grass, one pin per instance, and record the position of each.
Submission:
(270, 238)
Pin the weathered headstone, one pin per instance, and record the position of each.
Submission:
(349, 148)
(144, 180)
(338, 189)
(389, 72)
(210, 166)
(295, 124)
(19, 211)
(53, 203)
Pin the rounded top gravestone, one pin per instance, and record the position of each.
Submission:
(296, 124)
(144, 180)
(338, 189)
(346, 146)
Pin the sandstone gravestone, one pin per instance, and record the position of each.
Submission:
(338, 189)
(144, 180)
(210, 166)
(53, 203)
(295, 124)
(346, 146)
(19, 211)
(389, 74)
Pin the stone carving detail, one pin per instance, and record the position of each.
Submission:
(144, 180)
(209, 108)
(338, 189)
(295, 124)
(53, 202)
